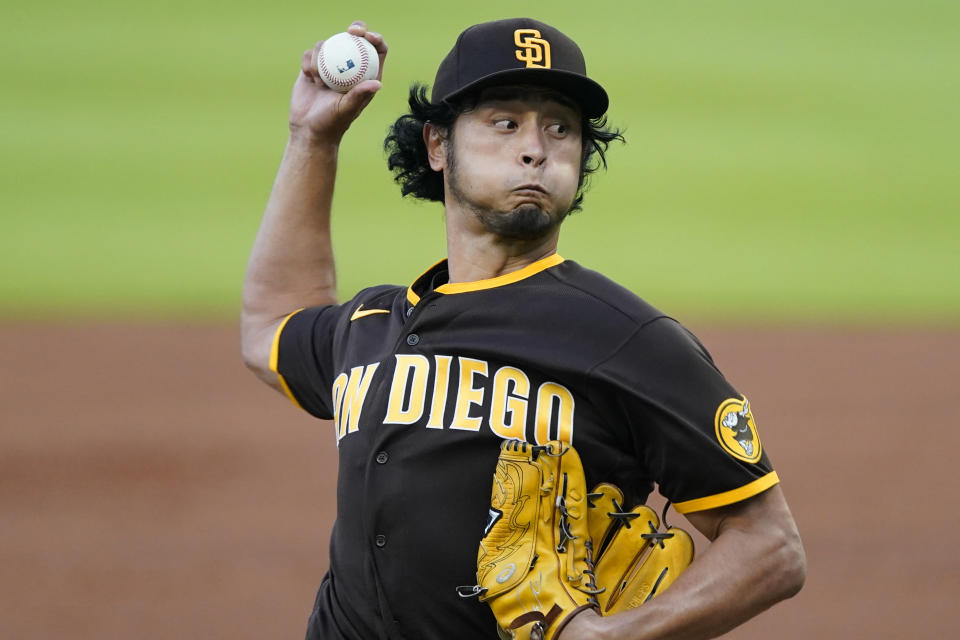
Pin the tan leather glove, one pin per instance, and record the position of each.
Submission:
(636, 559)
(534, 565)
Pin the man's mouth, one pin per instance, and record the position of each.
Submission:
(530, 188)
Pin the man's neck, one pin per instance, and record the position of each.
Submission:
(472, 257)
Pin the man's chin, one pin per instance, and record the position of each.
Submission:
(525, 222)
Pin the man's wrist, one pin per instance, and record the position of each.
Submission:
(304, 140)
(586, 624)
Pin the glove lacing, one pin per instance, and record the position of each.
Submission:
(590, 588)
(565, 536)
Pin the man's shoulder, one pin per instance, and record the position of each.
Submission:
(381, 298)
(603, 295)
(378, 293)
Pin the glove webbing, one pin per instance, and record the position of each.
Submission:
(567, 536)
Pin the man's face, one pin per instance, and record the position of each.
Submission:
(514, 161)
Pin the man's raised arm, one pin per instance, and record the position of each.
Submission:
(291, 265)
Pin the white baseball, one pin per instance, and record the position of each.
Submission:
(345, 61)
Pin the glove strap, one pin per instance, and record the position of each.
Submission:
(542, 622)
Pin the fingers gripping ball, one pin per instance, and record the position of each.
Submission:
(345, 60)
(534, 564)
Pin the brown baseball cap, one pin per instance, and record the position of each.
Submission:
(518, 51)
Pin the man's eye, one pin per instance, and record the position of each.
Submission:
(505, 124)
(558, 128)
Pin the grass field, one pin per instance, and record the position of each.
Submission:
(785, 161)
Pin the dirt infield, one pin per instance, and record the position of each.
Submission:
(151, 488)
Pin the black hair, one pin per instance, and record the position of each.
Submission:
(407, 151)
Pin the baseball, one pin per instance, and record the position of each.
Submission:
(345, 61)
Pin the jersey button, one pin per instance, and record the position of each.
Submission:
(413, 339)
(409, 312)
(382, 457)
(381, 541)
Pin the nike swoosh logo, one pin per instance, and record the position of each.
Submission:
(360, 313)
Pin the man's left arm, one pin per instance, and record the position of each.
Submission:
(756, 559)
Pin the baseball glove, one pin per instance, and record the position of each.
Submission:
(635, 559)
(535, 564)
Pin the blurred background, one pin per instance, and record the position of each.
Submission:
(788, 189)
(793, 161)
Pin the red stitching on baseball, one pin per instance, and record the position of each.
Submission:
(361, 70)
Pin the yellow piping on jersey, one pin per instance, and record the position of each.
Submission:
(729, 497)
(412, 297)
(491, 283)
(275, 357)
(499, 281)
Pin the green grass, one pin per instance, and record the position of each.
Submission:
(786, 161)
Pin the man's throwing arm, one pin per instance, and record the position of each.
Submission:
(291, 265)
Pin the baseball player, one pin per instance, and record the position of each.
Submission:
(503, 339)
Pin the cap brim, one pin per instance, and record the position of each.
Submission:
(589, 95)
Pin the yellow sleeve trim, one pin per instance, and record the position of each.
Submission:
(289, 394)
(729, 497)
(275, 356)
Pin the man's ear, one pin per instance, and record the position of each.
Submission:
(436, 140)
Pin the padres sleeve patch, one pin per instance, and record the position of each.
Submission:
(737, 430)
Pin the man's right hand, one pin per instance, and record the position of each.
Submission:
(321, 115)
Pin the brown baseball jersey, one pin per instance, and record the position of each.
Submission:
(422, 384)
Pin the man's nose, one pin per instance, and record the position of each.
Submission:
(533, 152)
